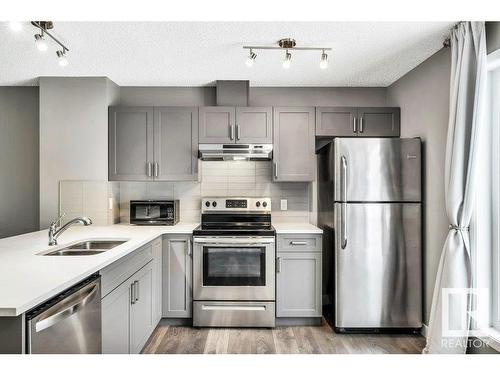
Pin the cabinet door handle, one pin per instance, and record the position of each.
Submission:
(298, 243)
(278, 264)
(148, 169)
(132, 293)
(189, 248)
(361, 125)
(136, 283)
(275, 169)
(354, 127)
(237, 132)
(231, 132)
(157, 169)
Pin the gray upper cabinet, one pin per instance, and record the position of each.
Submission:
(177, 276)
(293, 154)
(337, 121)
(217, 124)
(379, 122)
(147, 143)
(130, 143)
(254, 125)
(175, 143)
(358, 122)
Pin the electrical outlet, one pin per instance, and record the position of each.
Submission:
(110, 203)
(283, 204)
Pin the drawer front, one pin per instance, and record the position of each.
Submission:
(299, 242)
(116, 273)
(233, 314)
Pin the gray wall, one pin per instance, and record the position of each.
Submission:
(18, 160)
(492, 36)
(423, 95)
(73, 134)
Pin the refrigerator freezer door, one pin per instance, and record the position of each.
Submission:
(377, 170)
(378, 275)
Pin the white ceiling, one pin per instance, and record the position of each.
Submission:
(197, 53)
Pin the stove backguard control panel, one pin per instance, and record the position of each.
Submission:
(216, 204)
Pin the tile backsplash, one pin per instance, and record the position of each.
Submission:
(216, 178)
(98, 200)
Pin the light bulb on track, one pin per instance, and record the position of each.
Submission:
(323, 64)
(251, 59)
(61, 57)
(40, 42)
(288, 60)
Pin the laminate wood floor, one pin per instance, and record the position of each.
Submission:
(280, 340)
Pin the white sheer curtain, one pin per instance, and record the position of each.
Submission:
(450, 319)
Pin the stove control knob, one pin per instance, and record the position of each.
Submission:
(257, 204)
(214, 203)
(264, 204)
(207, 203)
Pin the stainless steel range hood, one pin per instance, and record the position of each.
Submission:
(235, 152)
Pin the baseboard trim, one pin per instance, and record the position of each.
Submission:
(176, 322)
(298, 322)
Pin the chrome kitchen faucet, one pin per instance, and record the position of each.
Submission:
(55, 230)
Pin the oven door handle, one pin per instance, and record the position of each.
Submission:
(235, 241)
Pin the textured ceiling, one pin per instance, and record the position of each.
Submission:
(197, 53)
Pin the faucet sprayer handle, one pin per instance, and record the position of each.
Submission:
(58, 220)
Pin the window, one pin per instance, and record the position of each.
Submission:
(485, 226)
(494, 122)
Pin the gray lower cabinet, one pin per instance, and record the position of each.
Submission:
(175, 143)
(293, 153)
(130, 143)
(298, 276)
(142, 321)
(177, 276)
(358, 121)
(217, 124)
(127, 314)
(153, 143)
(115, 318)
(157, 278)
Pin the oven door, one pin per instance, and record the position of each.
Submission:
(234, 268)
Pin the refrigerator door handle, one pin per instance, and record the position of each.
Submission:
(343, 207)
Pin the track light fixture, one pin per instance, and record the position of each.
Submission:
(288, 44)
(41, 42)
(251, 59)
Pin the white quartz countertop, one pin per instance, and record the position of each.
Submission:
(27, 279)
(296, 228)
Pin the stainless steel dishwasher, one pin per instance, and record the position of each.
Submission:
(69, 323)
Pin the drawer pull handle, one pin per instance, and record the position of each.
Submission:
(298, 243)
(233, 307)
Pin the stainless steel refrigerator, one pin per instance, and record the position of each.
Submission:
(369, 206)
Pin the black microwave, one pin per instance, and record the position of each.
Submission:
(154, 212)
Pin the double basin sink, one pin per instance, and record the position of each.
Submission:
(88, 247)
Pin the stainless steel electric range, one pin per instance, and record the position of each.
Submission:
(234, 264)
